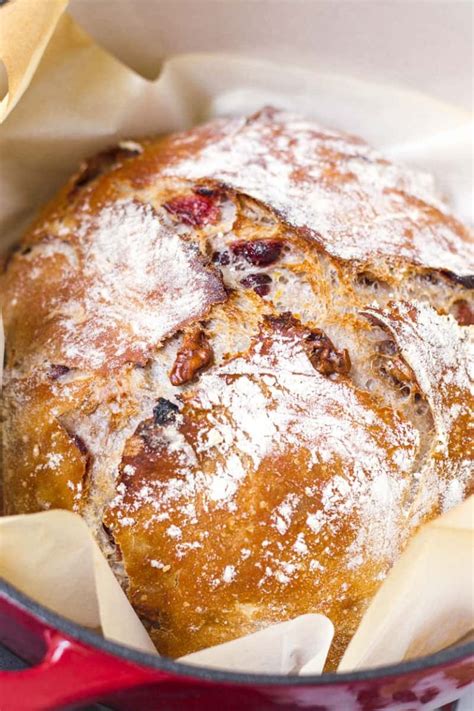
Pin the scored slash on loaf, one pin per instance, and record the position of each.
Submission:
(242, 354)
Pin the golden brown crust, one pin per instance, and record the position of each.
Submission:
(315, 178)
(238, 509)
(107, 285)
(44, 464)
(439, 354)
(217, 348)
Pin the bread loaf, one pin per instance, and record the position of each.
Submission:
(242, 354)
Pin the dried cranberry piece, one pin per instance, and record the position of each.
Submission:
(260, 252)
(57, 370)
(196, 210)
(259, 282)
(222, 258)
(164, 412)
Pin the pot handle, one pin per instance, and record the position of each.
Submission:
(69, 671)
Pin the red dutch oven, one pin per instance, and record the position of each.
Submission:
(73, 666)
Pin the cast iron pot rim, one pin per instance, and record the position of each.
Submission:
(75, 631)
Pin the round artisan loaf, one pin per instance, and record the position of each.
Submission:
(241, 354)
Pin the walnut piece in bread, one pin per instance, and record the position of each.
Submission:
(234, 351)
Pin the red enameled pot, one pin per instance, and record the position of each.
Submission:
(74, 666)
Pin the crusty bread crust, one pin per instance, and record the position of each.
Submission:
(235, 352)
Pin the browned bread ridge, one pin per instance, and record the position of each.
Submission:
(242, 354)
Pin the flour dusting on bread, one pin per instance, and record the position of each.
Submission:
(234, 352)
(351, 200)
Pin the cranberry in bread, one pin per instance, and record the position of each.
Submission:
(242, 354)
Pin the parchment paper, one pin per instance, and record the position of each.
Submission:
(52, 557)
(80, 99)
(426, 603)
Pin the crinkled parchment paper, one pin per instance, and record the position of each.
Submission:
(70, 98)
(426, 603)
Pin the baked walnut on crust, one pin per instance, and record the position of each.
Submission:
(242, 354)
